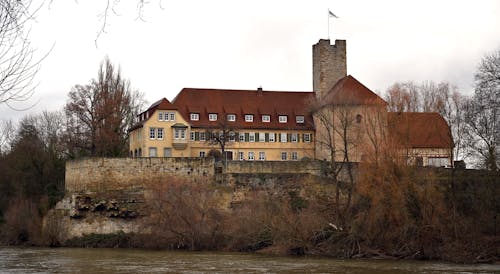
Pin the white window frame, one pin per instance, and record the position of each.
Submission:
(232, 136)
(282, 119)
(251, 137)
(160, 116)
(284, 156)
(202, 136)
(231, 117)
(307, 137)
(171, 116)
(251, 156)
(272, 136)
(294, 137)
(299, 119)
(266, 118)
(295, 156)
(180, 134)
(248, 117)
(262, 156)
(202, 154)
(155, 152)
(241, 155)
(262, 137)
(212, 117)
(159, 133)
(192, 135)
(152, 133)
(284, 138)
(194, 116)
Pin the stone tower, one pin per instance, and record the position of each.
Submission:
(329, 65)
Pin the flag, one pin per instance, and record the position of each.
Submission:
(331, 14)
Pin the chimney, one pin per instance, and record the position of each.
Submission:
(259, 91)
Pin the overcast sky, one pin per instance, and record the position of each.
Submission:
(247, 44)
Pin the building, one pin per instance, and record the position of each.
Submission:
(338, 119)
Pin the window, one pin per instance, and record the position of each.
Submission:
(295, 156)
(195, 116)
(271, 137)
(180, 133)
(262, 137)
(242, 137)
(241, 156)
(283, 137)
(266, 118)
(171, 116)
(299, 119)
(202, 154)
(167, 152)
(262, 156)
(231, 136)
(152, 132)
(251, 156)
(307, 137)
(283, 118)
(192, 135)
(202, 136)
(248, 118)
(359, 118)
(212, 117)
(251, 137)
(283, 156)
(439, 162)
(295, 138)
(152, 152)
(160, 116)
(160, 133)
(231, 117)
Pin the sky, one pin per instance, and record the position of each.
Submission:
(259, 43)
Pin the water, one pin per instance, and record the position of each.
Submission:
(79, 260)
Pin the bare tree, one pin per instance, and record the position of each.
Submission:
(482, 113)
(99, 114)
(222, 136)
(7, 132)
(339, 135)
(18, 64)
(403, 97)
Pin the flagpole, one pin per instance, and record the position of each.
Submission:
(328, 14)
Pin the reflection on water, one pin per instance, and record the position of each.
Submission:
(79, 260)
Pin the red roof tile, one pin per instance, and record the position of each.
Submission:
(241, 102)
(349, 91)
(420, 129)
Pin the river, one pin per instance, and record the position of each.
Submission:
(81, 260)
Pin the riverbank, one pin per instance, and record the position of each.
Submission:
(78, 260)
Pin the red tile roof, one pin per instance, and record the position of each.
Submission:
(241, 102)
(420, 129)
(349, 91)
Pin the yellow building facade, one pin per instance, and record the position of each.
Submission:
(340, 119)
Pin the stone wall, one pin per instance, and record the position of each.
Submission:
(104, 174)
(276, 167)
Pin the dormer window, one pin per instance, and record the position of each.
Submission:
(299, 119)
(212, 116)
(231, 117)
(195, 116)
(248, 117)
(266, 118)
(283, 118)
